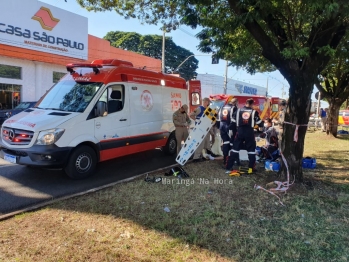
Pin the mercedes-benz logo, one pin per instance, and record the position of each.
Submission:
(11, 135)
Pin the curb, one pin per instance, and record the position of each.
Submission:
(38, 206)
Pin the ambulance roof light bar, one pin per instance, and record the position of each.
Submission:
(70, 67)
(112, 62)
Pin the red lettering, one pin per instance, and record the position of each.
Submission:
(176, 104)
(176, 95)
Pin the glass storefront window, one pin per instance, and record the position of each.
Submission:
(57, 76)
(13, 72)
(10, 95)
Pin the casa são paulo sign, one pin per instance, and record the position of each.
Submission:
(42, 27)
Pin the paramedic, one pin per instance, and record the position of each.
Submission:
(281, 120)
(181, 121)
(271, 140)
(245, 118)
(226, 127)
(205, 143)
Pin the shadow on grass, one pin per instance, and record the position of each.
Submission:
(222, 214)
(343, 137)
(332, 168)
(213, 213)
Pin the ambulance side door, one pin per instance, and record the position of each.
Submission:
(115, 125)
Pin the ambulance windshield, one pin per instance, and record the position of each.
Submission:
(217, 104)
(68, 95)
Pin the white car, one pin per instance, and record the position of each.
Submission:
(314, 121)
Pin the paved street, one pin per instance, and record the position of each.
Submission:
(22, 187)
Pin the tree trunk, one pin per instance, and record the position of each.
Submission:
(332, 118)
(297, 113)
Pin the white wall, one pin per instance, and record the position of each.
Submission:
(213, 84)
(37, 77)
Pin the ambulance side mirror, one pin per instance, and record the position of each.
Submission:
(101, 108)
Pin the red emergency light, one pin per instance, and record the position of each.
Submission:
(70, 67)
(219, 97)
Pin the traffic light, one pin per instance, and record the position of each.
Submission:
(215, 59)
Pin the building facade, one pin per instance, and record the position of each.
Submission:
(213, 84)
(37, 40)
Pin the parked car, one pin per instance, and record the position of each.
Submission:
(314, 121)
(343, 117)
(7, 113)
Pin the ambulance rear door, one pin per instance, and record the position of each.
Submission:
(194, 88)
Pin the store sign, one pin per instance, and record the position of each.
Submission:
(42, 27)
(246, 89)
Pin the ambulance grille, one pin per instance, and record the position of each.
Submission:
(16, 136)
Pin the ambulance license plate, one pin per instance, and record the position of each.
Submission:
(10, 158)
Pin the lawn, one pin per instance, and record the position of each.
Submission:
(209, 217)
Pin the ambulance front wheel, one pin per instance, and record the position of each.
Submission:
(171, 145)
(82, 163)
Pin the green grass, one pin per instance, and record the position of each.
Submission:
(208, 221)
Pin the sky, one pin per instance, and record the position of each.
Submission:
(100, 23)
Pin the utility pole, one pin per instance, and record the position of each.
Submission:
(225, 78)
(163, 51)
(282, 90)
(266, 91)
(318, 104)
(177, 68)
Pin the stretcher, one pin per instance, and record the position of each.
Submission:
(196, 136)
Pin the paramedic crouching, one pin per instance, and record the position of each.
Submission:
(246, 118)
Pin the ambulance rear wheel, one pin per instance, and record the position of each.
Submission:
(82, 163)
(171, 145)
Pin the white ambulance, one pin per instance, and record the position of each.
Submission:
(97, 112)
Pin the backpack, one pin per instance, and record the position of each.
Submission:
(272, 136)
(177, 172)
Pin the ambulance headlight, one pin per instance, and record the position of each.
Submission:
(49, 137)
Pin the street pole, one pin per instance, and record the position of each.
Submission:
(182, 63)
(282, 94)
(185, 60)
(266, 92)
(318, 104)
(225, 78)
(163, 52)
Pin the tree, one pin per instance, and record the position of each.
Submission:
(295, 37)
(151, 45)
(333, 84)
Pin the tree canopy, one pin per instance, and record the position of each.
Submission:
(296, 37)
(333, 83)
(151, 45)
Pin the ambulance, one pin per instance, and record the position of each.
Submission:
(343, 118)
(267, 107)
(96, 112)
